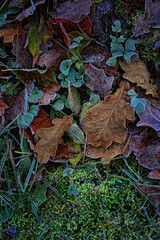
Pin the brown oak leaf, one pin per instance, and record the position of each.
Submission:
(147, 150)
(51, 137)
(150, 117)
(105, 123)
(10, 32)
(99, 82)
(137, 72)
(64, 150)
(151, 18)
(49, 94)
(73, 10)
(107, 154)
(154, 174)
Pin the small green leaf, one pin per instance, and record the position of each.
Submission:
(140, 108)
(34, 41)
(88, 168)
(130, 45)
(24, 166)
(25, 120)
(2, 52)
(111, 61)
(39, 195)
(65, 66)
(128, 55)
(35, 95)
(4, 216)
(117, 49)
(67, 172)
(33, 109)
(132, 93)
(58, 105)
(72, 190)
(73, 45)
(64, 84)
(117, 27)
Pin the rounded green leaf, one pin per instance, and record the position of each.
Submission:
(72, 190)
(67, 172)
(65, 66)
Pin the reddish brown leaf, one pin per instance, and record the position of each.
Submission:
(150, 117)
(3, 107)
(105, 123)
(73, 11)
(42, 120)
(154, 174)
(99, 82)
(10, 32)
(49, 94)
(151, 18)
(147, 150)
(50, 138)
(64, 150)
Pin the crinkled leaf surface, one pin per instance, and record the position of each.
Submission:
(74, 99)
(50, 138)
(105, 123)
(151, 18)
(150, 117)
(99, 83)
(146, 150)
(49, 94)
(137, 72)
(154, 174)
(73, 10)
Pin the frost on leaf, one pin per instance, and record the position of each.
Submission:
(147, 150)
(99, 82)
(137, 72)
(150, 117)
(50, 138)
(105, 123)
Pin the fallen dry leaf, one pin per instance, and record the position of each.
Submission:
(51, 137)
(73, 10)
(74, 99)
(10, 32)
(150, 117)
(107, 154)
(42, 120)
(99, 83)
(137, 72)
(49, 94)
(64, 150)
(147, 150)
(154, 174)
(151, 18)
(105, 123)
(3, 107)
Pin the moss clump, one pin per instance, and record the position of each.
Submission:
(104, 209)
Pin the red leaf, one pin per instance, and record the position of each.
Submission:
(3, 106)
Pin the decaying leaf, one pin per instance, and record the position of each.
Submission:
(151, 18)
(42, 120)
(76, 134)
(74, 99)
(49, 94)
(64, 150)
(3, 106)
(105, 123)
(146, 150)
(150, 117)
(50, 138)
(99, 83)
(107, 154)
(154, 174)
(73, 11)
(137, 72)
(10, 32)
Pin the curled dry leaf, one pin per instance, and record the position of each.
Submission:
(105, 123)
(146, 150)
(150, 117)
(10, 32)
(107, 154)
(73, 10)
(3, 107)
(151, 18)
(99, 83)
(49, 94)
(137, 72)
(74, 99)
(51, 137)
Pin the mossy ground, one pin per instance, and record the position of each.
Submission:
(107, 207)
